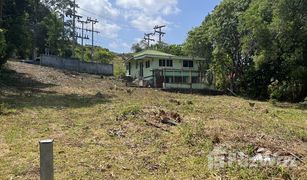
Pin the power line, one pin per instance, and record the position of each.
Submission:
(74, 16)
(99, 16)
(93, 22)
(148, 39)
(82, 37)
(158, 29)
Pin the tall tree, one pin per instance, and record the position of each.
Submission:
(257, 48)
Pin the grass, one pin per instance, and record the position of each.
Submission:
(106, 135)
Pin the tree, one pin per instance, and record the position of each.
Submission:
(137, 48)
(103, 55)
(2, 48)
(54, 28)
(256, 48)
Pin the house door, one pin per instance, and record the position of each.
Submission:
(141, 69)
(159, 78)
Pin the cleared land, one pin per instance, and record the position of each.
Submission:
(103, 129)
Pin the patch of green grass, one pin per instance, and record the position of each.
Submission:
(128, 111)
(80, 123)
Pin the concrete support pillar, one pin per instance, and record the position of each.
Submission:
(46, 159)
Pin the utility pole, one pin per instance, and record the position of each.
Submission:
(93, 22)
(148, 39)
(158, 29)
(82, 37)
(74, 16)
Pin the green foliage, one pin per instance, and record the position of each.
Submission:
(2, 47)
(119, 68)
(55, 30)
(32, 27)
(101, 55)
(254, 44)
(137, 48)
(173, 49)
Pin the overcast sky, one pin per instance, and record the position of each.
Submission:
(124, 22)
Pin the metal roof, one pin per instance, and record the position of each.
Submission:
(159, 54)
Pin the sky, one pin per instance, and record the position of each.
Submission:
(124, 22)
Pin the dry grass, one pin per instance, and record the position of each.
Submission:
(110, 134)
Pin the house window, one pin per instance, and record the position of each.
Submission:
(189, 64)
(162, 62)
(168, 79)
(136, 65)
(169, 63)
(147, 64)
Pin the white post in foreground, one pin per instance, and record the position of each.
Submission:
(46, 159)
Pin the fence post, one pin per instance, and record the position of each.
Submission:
(46, 159)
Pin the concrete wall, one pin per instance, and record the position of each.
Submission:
(76, 65)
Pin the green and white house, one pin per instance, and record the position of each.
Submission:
(151, 68)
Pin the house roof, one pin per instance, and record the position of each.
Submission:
(159, 54)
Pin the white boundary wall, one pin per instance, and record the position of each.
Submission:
(76, 65)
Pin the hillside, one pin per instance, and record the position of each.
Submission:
(103, 129)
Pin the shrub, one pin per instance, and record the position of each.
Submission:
(285, 91)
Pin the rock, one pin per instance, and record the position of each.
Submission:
(267, 153)
(260, 150)
(166, 120)
(258, 157)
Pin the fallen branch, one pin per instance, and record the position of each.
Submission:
(169, 122)
(298, 158)
(234, 94)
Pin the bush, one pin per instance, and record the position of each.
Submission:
(285, 91)
(119, 68)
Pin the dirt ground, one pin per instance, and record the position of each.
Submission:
(105, 130)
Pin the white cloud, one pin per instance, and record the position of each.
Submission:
(108, 30)
(98, 8)
(146, 23)
(119, 44)
(152, 7)
(145, 14)
(104, 12)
